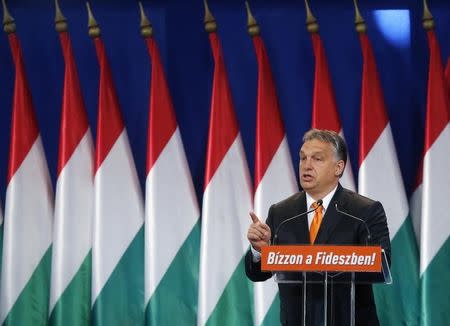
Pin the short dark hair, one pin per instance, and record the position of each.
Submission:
(331, 137)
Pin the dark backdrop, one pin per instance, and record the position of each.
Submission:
(398, 39)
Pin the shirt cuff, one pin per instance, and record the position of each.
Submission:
(256, 255)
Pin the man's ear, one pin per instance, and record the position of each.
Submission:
(339, 169)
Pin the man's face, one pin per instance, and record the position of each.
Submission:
(319, 170)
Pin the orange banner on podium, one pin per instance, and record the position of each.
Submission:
(321, 258)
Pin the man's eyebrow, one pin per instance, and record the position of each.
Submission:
(315, 152)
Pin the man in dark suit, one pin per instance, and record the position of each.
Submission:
(323, 157)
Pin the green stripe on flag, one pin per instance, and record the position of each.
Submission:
(31, 307)
(436, 294)
(121, 301)
(273, 314)
(399, 303)
(235, 305)
(175, 299)
(74, 305)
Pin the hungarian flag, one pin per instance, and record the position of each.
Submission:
(118, 231)
(380, 179)
(274, 174)
(25, 279)
(324, 113)
(415, 204)
(416, 198)
(435, 227)
(1, 234)
(172, 225)
(70, 295)
(447, 75)
(224, 290)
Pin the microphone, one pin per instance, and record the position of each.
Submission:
(275, 237)
(369, 236)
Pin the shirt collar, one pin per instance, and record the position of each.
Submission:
(325, 200)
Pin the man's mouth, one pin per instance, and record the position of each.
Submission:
(307, 177)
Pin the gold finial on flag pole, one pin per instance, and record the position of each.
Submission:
(311, 22)
(210, 22)
(94, 29)
(60, 20)
(9, 26)
(252, 25)
(427, 19)
(360, 24)
(146, 26)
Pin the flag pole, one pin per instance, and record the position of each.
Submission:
(146, 26)
(311, 22)
(360, 24)
(252, 25)
(210, 21)
(60, 20)
(9, 26)
(94, 28)
(427, 19)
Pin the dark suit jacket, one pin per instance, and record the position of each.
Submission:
(336, 228)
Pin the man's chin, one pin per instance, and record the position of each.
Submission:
(306, 186)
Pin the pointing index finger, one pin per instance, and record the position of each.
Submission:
(255, 218)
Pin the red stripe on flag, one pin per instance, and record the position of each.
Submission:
(223, 127)
(324, 112)
(437, 115)
(269, 126)
(162, 121)
(447, 77)
(24, 127)
(373, 112)
(110, 123)
(74, 121)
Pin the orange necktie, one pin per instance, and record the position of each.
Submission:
(315, 224)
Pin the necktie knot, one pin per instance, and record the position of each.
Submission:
(315, 205)
(317, 220)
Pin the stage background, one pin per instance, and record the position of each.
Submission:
(394, 27)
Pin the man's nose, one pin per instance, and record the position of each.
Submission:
(305, 164)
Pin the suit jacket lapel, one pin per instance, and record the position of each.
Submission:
(300, 227)
(330, 220)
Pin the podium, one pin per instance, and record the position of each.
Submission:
(329, 266)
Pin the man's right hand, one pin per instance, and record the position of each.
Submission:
(259, 233)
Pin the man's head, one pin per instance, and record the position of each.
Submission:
(323, 156)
